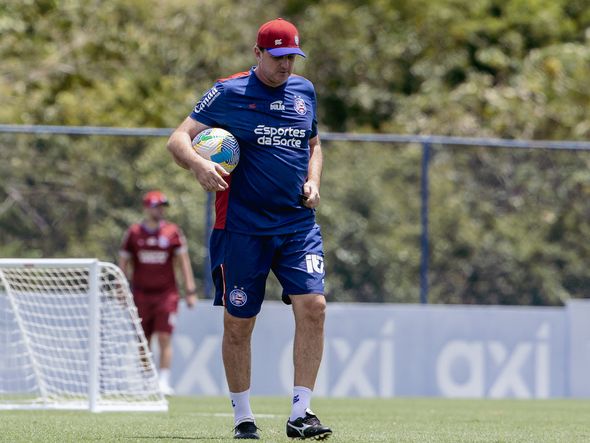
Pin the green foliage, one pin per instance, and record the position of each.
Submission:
(506, 226)
(499, 226)
(372, 242)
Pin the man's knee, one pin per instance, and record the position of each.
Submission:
(164, 338)
(310, 307)
(237, 330)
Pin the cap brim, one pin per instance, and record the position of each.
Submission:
(155, 205)
(279, 52)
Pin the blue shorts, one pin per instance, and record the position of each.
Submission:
(240, 265)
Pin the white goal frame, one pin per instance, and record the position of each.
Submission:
(96, 287)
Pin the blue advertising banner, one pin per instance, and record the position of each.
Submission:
(386, 350)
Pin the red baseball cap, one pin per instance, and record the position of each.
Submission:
(279, 37)
(154, 198)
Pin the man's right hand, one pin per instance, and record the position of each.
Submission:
(210, 175)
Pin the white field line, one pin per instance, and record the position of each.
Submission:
(228, 414)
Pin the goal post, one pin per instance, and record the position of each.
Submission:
(71, 338)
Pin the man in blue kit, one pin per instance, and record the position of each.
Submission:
(265, 216)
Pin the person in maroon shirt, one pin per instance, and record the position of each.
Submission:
(149, 253)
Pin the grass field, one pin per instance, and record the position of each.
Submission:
(208, 419)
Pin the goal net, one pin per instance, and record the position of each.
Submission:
(70, 338)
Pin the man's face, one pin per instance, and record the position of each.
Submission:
(156, 213)
(273, 71)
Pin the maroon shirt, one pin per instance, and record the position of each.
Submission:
(152, 253)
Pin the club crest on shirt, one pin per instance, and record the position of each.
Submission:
(163, 242)
(299, 106)
(237, 297)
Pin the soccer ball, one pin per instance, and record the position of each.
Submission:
(219, 146)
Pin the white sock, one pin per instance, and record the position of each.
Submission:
(301, 401)
(165, 376)
(240, 402)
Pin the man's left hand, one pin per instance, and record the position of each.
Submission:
(311, 193)
(191, 300)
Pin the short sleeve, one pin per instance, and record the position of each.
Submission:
(178, 242)
(126, 247)
(314, 122)
(211, 109)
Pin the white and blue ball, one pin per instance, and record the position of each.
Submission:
(219, 146)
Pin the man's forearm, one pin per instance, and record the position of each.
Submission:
(316, 163)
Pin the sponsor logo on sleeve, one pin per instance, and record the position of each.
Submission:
(207, 99)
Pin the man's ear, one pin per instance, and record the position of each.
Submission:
(257, 52)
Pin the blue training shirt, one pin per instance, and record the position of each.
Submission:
(273, 127)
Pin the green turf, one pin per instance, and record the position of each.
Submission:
(207, 419)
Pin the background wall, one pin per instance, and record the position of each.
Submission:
(403, 350)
